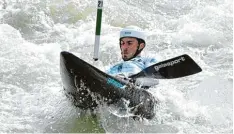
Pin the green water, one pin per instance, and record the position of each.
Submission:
(87, 124)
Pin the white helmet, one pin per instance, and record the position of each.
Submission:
(133, 31)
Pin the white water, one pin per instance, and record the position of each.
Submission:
(33, 32)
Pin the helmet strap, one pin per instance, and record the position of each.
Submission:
(138, 51)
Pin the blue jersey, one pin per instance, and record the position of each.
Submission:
(130, 67)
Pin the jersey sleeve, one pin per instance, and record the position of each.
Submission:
(150, 61)
(112, 70)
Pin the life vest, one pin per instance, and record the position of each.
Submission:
(133, 66)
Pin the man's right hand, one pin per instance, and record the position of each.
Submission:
(122, 77)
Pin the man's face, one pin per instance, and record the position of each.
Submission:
(128, 47)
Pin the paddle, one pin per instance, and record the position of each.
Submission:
(176, 67)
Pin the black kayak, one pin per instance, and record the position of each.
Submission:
(89, 87)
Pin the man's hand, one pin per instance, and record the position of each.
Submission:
(146, 82)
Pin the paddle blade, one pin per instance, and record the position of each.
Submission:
(176, 67)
